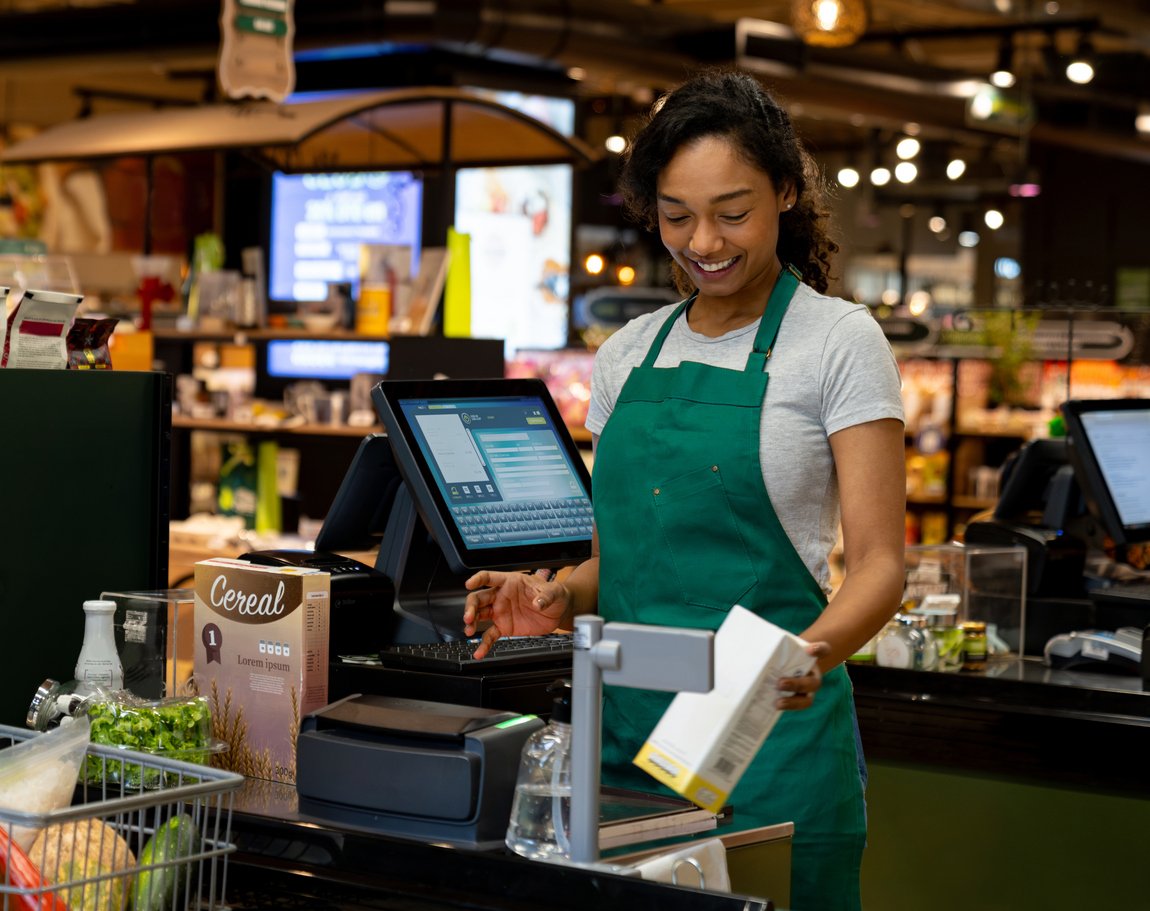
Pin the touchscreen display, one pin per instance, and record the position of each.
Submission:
(492, 470)
(502, 470)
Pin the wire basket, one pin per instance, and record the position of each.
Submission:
(119, 849)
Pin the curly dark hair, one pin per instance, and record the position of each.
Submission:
(733, 104)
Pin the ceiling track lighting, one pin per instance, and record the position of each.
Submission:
(1142, 119)
(829, 23)
(1004, 76)
(1080, 70)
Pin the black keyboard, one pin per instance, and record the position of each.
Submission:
(516, 652)
(1123, 594)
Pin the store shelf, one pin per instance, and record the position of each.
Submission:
(222, 425)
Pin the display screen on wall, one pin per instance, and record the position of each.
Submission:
(519, 222)
(319, 221)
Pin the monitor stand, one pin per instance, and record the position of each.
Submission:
(429, 597)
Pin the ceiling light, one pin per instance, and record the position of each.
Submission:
(829, 23)
(594, 264)
(918, 302)
(625, 275)
(615, 144)
(1003, 75)
(880, 176)
(955, 168)
(848, 177)
(993, 219)
(907, 148)
(937, 223)
(1080, 70)
(968, 239)
(905, 172)
(1142, 120)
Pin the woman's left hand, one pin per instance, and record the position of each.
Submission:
(797, 693)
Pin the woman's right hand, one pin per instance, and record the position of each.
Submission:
(517, 604)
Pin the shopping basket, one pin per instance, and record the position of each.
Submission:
(191, 803)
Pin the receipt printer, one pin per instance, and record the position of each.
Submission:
(361, 598)
(424, 770)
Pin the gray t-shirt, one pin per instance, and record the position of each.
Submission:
(831, 368)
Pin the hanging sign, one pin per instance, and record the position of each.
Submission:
(256, 49)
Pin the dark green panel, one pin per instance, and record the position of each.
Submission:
(84, 498)
(954, 841)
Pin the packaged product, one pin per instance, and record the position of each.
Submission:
(88, 343)
(38, 330)
(705, 741)
(38, 776)
(261, 635)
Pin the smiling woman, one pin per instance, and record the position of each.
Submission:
(713, 489)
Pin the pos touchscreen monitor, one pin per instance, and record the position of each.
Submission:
(491, 479)
(1109, 440)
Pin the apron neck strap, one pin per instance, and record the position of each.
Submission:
(657, 344)
(777, 303)
(772, 318)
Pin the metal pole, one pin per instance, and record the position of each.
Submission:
(586, 720)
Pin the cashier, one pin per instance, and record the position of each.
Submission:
(733, 432)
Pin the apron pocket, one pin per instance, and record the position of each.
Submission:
(702, 539)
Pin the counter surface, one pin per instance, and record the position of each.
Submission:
(285, 860)
(1018, 719)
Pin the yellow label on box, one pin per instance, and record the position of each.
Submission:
(680, 779)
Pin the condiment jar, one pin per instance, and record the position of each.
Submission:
(973, 645)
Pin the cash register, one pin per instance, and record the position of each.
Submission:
(471, 475)
(1064, 497)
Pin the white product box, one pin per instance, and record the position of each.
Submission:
(261, 642)
(705, 741)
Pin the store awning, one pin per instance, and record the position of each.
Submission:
(419, 128)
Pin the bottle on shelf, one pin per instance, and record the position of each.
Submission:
(540, 824)
(99, 662)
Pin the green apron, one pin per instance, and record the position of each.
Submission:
(686, 530)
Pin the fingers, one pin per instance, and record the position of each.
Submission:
(490, 637)
(797, 693)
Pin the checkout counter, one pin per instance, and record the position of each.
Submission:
(1025, 785)
(1019, 786)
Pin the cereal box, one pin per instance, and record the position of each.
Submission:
(261, 640)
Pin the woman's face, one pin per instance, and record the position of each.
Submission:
(719, 220)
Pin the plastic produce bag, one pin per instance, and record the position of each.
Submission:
(39, 775)
(175, 728)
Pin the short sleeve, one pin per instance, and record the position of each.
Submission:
(860, 376)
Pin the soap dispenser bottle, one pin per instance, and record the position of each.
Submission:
(540, 824)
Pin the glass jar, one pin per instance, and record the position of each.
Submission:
(974, 645)
(901, 644)
(928, 660)
(942, 626)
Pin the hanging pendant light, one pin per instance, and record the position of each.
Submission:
(829, 23)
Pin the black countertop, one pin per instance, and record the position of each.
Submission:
(1018, 719)
(286, 860)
